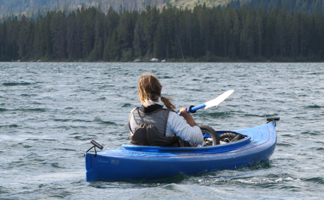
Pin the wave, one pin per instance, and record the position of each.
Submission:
(318, 148)
(284, 144)
(78, 137)
(62, 120)
(28, 95)
(101, 99)
(64, 149)
(43, 139)
(97, 119)
(16, 84)
(314, 106)
(81, 120)
(56, 165)
(9, 126)
(33, 110)
(316, 180)
(3, 190)
(24, 110)
(218, 114)
(126, 105)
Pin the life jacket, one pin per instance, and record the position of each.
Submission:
(151, 129)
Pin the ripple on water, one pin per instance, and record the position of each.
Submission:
(16, 84)
(316, 180)
(98, 119)
(28, 95)
(64, 149)
(68, 108)
(126, 105)
(62, 120)
(56, 165)
(10, 126)
(23, 110)
(314, 107)
(82, 138)
(81, 120)
(3, 190)
(42, 139)
(311, 133)
(318, 148)
(101, 98)
(218, 114)
(32, 110)
(283, 144)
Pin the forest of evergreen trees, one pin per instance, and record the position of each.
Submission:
(201, 34)
(309, 6)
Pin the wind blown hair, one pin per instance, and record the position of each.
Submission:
(149, 88)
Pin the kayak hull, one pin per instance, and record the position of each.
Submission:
(132, 162)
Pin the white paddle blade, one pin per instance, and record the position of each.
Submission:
(219, 99)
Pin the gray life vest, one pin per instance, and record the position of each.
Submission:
(151, 129)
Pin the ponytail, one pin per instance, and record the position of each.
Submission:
(167, 103)
(149, 88)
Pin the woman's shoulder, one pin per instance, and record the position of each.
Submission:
(173, 115)
(134, 109)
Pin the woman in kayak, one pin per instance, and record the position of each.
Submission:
(153, 125)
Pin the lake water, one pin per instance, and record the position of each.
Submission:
(49, 113)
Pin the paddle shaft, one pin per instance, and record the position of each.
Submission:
(193, 109)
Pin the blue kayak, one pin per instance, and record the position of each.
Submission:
(132, 162)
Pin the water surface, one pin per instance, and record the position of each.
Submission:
(49, 113)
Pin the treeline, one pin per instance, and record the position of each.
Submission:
(309, 6)
(201, 34)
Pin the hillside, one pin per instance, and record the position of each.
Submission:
(28, 6)
(309, 6)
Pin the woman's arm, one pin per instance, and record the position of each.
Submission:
(187, 116)
(177, 125)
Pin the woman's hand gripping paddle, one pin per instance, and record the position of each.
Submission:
(211, 103)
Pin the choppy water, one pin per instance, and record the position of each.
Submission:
(49, 112)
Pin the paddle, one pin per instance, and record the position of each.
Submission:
(211, 103)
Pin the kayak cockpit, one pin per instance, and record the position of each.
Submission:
(224, 147)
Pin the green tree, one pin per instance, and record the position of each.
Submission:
(97, 51)
(58, 32)
(112, 50)
(71, 27)
(88, 33)
(138, 44)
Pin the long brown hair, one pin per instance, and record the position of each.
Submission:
(149, 88)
